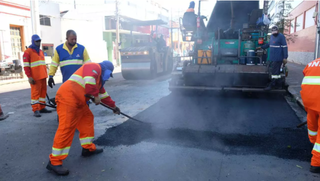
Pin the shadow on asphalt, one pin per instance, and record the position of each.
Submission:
(282, 140)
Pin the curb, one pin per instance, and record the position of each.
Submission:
(13, 82)
(296, 95)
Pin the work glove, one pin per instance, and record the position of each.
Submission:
(116, 110)
(31, 81)
(50, 82)
(258, 48)
(285, 61)
(97, 100)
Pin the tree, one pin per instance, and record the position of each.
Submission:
(283, 20)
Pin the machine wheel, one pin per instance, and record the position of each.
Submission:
(126, 76)
(154, 70)
(170, 65)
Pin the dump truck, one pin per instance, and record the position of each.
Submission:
(146, 60)
(224, 55)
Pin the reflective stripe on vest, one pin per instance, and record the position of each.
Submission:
(311, 80)
(86, 141)
(316, 147)
(60, 151)
(87, 61)
(54, 64)
(104, 95)
(26, 64)
(275, 76)
(312, 133)
(71, 62)
(275, 46)
(78, 79)
(37, 63)
(90, 80)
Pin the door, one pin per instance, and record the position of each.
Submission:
(16, 44)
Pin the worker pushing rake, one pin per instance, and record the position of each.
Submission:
(74, 113)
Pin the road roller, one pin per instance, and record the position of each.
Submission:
(146, 60)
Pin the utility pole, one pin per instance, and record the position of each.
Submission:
(117, 33)
(35, 19)
(171, 31)
(75, 4)
(179, 35)
(317, 49)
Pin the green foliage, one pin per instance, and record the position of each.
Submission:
(283, 20)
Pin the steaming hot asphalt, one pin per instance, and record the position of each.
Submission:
(228, 123)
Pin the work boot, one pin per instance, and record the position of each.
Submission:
(44, 110)
(269, 88)
(37, 114)
(3, 117)
(315, 169)
(87, 153)
(59, 169)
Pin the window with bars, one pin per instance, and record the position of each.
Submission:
(45, 20)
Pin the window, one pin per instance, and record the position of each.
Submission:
(292, 27)
(309, 18)
(47, 49)
(299, 23)
(45, 20)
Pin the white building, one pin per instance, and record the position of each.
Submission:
(89, 28)
(15, 29)
(50, 26)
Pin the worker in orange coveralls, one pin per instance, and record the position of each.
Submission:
(36, 71)
(74, 112)
(310, 95)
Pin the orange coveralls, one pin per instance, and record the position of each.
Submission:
(35, 67)
(74, 112)
(310, 95)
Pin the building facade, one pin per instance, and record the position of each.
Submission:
(15, 30)
(304, 28)
(50, 27)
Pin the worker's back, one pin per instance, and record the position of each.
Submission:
(311, 86)
(73, 90)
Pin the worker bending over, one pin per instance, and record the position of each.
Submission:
(310, 95)
(74, 113)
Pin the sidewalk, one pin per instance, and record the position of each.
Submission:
(58, 74)
(294, 80)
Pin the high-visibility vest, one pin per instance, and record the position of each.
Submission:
(37, 64)
(73, 90)
(310, 86)
(70, 63)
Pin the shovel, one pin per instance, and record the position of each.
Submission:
(104, 105)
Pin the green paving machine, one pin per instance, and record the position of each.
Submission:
(224, 55)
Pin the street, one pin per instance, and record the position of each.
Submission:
(187, 136)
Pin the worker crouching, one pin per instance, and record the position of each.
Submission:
(74, 112)
(310, 89)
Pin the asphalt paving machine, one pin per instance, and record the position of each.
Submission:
(146, 60)
(224, 54)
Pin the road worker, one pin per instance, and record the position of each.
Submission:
(36, 71)
(189, 19)
(311, 101)
(74, 113)
(278, 56)
(70, 56)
